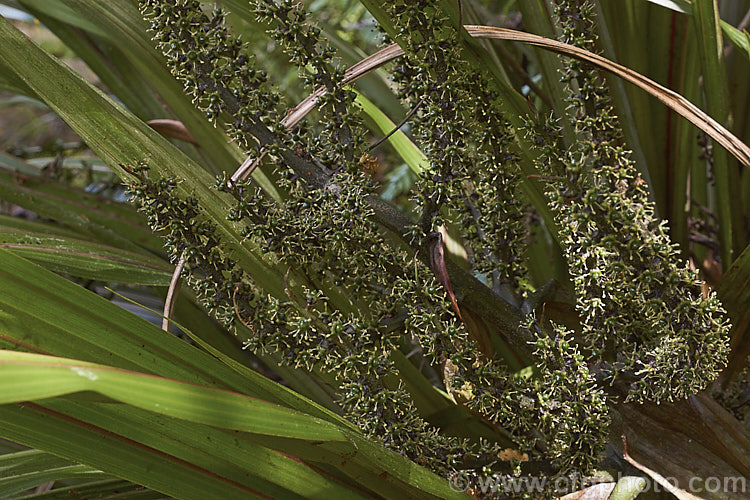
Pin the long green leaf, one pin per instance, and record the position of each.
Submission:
(48, 228)
(45, 429)
(227, 453)
(85, 259)
(44, 313)
(735, 295)
(17, 165)
(123, 142)
(64, 319)
(92, 216)
(179, 442)
(26, 376)
(24, 470)
(30, 377)
(9, 82)
(387, 473)
(687, 186)
(109, 63)
(101, 490)
(408, 151)
(121, 23)
(304, 383)
(729, 213)
(737, 37)
(22, 462)
(66, 14)
(12, 485)
(224, 456)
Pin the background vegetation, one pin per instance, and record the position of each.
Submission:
(241, 397)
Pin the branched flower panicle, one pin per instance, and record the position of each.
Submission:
(563, 404)
(557, 417)
(472, 174)
(222, 78)
(330, 233)
(304, 329)
(327, 232)
(642, 311)
(351, 294)
(190, 234)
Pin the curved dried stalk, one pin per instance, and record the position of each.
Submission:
(171, 300)
(297, 113)
(669, 98)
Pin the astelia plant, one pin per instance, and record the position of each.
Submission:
(516, 312)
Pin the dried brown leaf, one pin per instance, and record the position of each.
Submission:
(437, 263)
(664, 482)
(668, 97)
(172, 128)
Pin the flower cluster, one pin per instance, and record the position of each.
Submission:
(188, 233)
(330, 234)
(473, 180)
(354, 297)
(351, 306)
(644, 317)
